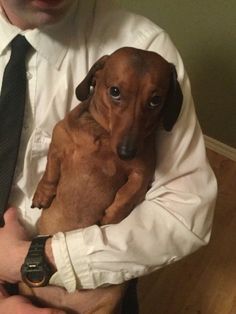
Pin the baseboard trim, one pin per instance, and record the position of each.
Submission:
(220, 148)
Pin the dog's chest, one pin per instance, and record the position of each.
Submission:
(109, 168)
(91, 155)
(95, 156)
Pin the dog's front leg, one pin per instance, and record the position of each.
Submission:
(46, 189)
(127, 197)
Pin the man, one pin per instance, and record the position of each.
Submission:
(175, 219)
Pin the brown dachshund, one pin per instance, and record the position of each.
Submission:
(101, 159)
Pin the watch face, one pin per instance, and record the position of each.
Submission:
(36, 277)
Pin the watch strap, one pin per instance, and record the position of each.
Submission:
(35, 263)
(36, 248)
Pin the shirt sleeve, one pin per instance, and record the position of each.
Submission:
(173, 221)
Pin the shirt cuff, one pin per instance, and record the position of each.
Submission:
(65, 245)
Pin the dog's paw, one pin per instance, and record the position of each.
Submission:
(111, 217)
(41, 200)
(105, 221)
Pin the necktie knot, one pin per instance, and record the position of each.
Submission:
(20, 46)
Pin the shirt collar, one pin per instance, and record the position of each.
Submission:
(7, 31)
(41, 39)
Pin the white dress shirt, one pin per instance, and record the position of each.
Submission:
(176, 216)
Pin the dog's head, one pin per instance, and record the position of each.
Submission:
(134, 92)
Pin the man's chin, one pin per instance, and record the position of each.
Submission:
(48, 12)
(46, 17)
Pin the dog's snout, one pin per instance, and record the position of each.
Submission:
(126, 153)
(127, 149)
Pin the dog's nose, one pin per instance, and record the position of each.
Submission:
(126, 151)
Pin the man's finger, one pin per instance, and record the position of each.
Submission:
(3, 292)
(51, 311)
(29, 308)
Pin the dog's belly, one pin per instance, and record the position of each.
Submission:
(87, 186)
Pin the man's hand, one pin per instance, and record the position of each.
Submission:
(14, 246)
(21, 305)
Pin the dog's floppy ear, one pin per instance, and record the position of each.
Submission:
(83, 89)
(173, 101)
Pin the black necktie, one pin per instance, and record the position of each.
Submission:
(12, 104)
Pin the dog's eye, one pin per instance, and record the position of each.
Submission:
(115, 93)
(155, 102)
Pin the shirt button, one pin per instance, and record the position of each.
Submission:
(29, 75)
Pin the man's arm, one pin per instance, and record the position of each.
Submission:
(14, 246)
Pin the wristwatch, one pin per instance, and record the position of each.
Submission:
(35, 270)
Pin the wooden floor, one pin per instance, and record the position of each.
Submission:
(204, 282)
